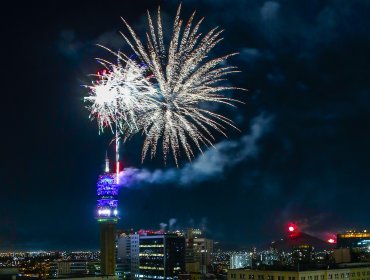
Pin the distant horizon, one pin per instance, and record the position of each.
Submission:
(229, 246)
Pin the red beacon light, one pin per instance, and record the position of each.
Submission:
(293, 231)
(331, 241)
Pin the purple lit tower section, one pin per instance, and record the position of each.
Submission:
(107, 216)
(107, 191)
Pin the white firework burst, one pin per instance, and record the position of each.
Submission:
(119, 95)
(186, 78)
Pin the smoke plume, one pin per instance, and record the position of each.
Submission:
(208, 166)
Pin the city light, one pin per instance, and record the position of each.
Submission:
(104, 212)
(291, 228)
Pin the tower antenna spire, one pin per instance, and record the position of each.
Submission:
(106, 162)
(117, 154)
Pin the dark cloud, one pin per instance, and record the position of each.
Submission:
(269, 10)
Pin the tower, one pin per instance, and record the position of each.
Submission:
(107, 217)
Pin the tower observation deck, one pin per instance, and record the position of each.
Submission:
(107, 217)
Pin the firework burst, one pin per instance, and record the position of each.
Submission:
(186, 79)
(119, 95)
(164, 99)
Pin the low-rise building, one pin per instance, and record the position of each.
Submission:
(341, 272)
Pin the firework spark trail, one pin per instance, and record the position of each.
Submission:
(119, 95)
(164, 98)
(186, 79)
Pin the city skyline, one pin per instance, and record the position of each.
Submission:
(301, 157)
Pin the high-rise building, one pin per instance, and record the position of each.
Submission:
(152, 255)
(124, 252)
(107, 216)
(161, 256)
(198, 250)
(128, 253)
(135, 259)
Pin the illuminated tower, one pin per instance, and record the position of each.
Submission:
(107, 192)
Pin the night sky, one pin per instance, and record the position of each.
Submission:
(302, 154)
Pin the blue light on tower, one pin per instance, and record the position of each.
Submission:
(107, 192)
